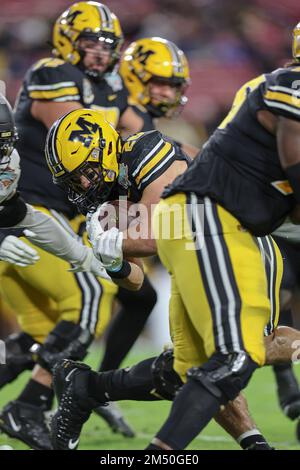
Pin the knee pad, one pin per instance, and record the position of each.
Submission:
(18, 357)
(166, 381)
(224, 375)
(66, 341)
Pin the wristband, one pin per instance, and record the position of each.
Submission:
(122, 273)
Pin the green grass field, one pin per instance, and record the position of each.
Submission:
(146, 418)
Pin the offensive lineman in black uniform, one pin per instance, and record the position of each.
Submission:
(247, 178)
(287, 238)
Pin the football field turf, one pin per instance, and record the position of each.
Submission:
(146, 418)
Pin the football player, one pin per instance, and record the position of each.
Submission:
(247, 180)
(156, 74)
(287, 238)
(103, 168)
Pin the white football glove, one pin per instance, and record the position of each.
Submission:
(93, 226)
(92, 265)
(15, 251)
(108, 249)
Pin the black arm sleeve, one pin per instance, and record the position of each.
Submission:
(4, 232)
(12, 211)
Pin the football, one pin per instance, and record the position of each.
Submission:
(119, 213)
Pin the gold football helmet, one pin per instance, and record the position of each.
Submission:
(82, 152)
(155, 59)
(296, 42)
(91, 20)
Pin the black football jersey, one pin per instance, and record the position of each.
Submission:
(144, 158)
(54, 80)
(239, 166)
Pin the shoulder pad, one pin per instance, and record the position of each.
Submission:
(48, 62)
(282, 92)
(145, 139)
(54, 80)
(149, 154)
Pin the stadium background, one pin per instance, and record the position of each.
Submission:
(227, 42)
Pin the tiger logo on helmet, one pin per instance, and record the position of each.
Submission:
(155, 59)
(91, 20)
(82, 150)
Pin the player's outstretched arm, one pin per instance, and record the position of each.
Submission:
(130, 276)
(46, 233)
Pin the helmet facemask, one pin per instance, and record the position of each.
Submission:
(82, 151)
(7, 143)
(100, 184)
(109, 54)
(168, 108)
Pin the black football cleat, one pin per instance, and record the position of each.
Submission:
(260, 446)
(112, 415)
(288, 390)
(70, 382)
(26, 423)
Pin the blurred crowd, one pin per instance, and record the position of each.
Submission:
(226, 41)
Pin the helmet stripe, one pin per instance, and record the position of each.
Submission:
(105, 15)
(55, 159)
(52, 155)
(175, 57)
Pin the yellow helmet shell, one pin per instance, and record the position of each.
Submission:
(79, 137)
(151, 57)
(296, 42)
(82, 17)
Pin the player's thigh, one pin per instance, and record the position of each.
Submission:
(50, 279)
(256, 272)
(108, 296)
(177, 252)
(222, 283)
(35, 313)
(188, 345)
